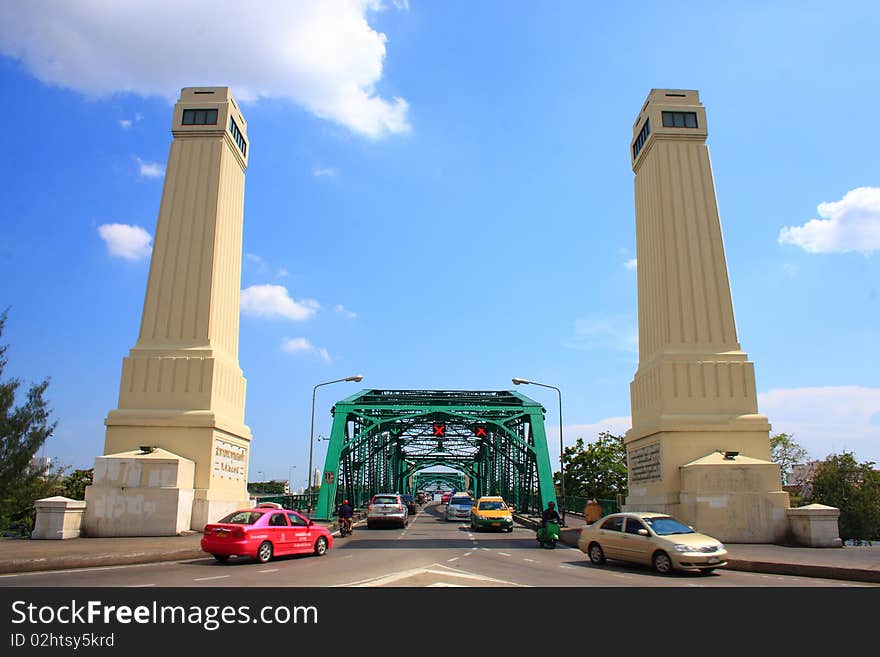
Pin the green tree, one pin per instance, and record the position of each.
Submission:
(23, 430)
(596, 470)
(266, 487)
(74, 484)
(854, 488)
(785, 451)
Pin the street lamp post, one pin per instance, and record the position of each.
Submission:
(517, 382)
(355, 378)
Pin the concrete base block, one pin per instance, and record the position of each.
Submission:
(58, 518)
(815, 525)
(113, 511)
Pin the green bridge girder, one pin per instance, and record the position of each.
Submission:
(433, 481)
(382, 440)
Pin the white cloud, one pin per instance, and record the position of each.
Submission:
(282, 273)
(125, 241)
(275, 301)
(127, 123)
(342, 310)
(150, 169)
(827, 420)
(631, 264)
(324, 173)
(321, 55)
(302, 345)
(850, 224)
(609, 332)
(589, 432)
(257, 260)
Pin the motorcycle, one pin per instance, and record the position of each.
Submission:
(345, 527)
(549, 535)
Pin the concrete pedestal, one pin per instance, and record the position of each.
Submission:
(58, 518)
(815, 525)
(140, 494)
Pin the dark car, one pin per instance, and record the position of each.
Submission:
(421, 498)
(410, 502)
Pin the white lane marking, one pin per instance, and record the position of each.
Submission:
(485, 548)
(505, 554)
(530, 560)
(447, 570)
(273, 570)
(204, 579)
(467, 554)
(453, 559)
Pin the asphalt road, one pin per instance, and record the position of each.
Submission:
(430, 552)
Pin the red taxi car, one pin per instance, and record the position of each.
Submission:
(261, 533)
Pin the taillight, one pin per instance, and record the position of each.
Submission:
(400, 507)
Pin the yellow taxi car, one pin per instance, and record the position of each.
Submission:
(652, 539)
(491, 512)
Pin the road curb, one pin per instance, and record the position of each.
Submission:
(13, 566)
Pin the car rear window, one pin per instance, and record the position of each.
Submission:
(461, 501)
(242, 518)
(385, 499)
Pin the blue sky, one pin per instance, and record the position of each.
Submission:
(440, 196)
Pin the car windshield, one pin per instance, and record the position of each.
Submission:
(664, 526)
(492, 506)
(461, 501)
(384, 499)
(242, 518)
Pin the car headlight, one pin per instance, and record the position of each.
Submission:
(720, 547)
(682, 548)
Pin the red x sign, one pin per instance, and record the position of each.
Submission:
(481, 432)
(439, 430)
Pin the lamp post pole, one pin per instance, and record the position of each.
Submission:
(518, 381)
(357, 377)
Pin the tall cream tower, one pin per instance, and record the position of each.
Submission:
(182, 389)
(698, 447)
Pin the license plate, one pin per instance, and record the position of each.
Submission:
(496, 524)
(713, 560)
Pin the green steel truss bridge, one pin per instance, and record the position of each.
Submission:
(382, 440)
(431, 481)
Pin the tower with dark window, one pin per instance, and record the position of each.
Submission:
(182, 389)
(698, 446)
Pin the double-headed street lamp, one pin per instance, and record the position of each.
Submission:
(561, 461)
(354, 378)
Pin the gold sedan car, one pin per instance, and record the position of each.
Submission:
(652, 539)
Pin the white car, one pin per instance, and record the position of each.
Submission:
(387, 508)
(459, 507)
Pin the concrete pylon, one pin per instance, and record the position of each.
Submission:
(182, 389)
(698, 447)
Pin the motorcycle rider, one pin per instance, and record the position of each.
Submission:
(550, 515)
(346, 511)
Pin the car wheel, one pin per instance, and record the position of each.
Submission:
(597, 556)
(321, 546)
(222, 558)
(264, 552)
(510, 529)
(662, 563)
(369, 525)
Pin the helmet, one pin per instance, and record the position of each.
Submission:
(345, 501)
(551, 504)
